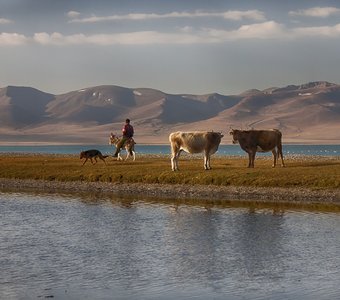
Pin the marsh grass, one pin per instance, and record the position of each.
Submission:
(308, 172)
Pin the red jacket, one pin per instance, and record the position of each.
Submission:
(128, 131)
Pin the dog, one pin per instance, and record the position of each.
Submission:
(93, 153)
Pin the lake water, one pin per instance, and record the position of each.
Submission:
(322, 150)
(90, 247)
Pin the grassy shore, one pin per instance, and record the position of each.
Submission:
(304, 177)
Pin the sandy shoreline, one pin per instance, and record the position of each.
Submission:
(181, 191)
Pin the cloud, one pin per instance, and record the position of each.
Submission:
(318, 12)
(249, 14)
(185, 35)
(182, 36)
(132, 38)
(325, 31)
(73, 14)
(5, 21)
(12, 39)
(266, 30)
(229, 15)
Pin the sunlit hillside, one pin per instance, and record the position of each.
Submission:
(308, 113)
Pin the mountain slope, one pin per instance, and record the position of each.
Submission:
(20, 106)
(308, 113)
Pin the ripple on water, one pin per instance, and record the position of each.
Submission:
(71, 248)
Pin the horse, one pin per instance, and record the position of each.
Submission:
(129, 146)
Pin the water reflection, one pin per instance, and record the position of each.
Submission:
(73, 247)
(259, 237)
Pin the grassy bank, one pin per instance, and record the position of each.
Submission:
(303, 172)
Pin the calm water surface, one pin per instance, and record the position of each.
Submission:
(322, 150)
(73, 247)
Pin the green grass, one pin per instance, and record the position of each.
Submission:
(322, 173)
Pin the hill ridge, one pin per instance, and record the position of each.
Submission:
(307, 112)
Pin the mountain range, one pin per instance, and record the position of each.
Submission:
(307, 113)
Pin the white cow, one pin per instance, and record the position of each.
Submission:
(194, 142)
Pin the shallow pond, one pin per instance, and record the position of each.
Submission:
(79, 247)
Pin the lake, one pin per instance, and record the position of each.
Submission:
(319, 150)
(96, 247)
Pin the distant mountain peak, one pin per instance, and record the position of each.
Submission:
(88, 114)
(316, 84)
(251, 92)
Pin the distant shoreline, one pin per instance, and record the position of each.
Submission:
(40, 143)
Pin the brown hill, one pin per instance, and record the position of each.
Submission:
(308, 113)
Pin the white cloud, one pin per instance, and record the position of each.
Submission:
(325, 31)
(230, 15)
(264, 30)
(319, 12)
(73, 14)
(132, 38)
(248, 14)
(184, 36)
(12, 39)
(5, 21)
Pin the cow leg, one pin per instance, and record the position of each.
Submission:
(275, 157)
(251, 158)
(174, 158)
(174, 162)
(205, 160)
(279, 150)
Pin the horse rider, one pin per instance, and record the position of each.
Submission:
(127, 134)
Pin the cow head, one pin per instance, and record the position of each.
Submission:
(220, 135)
(234, 133)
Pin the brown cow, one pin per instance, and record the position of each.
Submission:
(252, 141)
(194, 142)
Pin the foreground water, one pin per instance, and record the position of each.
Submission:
(319, 150)
(82, 247)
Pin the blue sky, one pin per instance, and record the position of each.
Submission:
(175, 46)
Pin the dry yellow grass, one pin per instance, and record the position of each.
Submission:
(306, 172)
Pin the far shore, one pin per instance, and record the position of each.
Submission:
(155, 142)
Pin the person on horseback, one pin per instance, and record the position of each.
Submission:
(127, 134)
